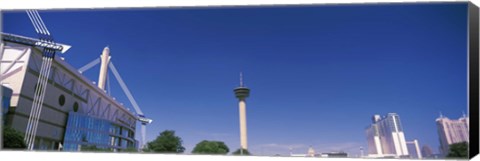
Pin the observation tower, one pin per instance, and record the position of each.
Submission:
(242, 93)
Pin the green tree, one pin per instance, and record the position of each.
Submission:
(12, 139)
(241, 152)
(210, 147)
(458, 150)
(166, 142)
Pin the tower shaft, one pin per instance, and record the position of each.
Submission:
(243, 123)
(105, 59)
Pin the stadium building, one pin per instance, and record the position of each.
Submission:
(76, 114)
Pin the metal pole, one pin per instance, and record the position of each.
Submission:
(1, 97)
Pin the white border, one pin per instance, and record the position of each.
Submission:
(82, 156)
(88, 4)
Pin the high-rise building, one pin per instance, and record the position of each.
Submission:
(451, 131)
(426, 151)
(414, 149)
(373, 137)
(385, 137)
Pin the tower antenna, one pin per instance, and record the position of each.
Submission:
(241, 79)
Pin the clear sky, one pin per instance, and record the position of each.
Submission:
(317, 74)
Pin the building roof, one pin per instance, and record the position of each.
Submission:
(33, 42)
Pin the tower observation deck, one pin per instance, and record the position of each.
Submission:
(241, 92)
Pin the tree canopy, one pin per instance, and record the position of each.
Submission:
(210, 147)
(241, 152)
(458, 150)
(166, 142)
(13, 139)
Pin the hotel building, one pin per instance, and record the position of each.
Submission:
(385, 137)
(451, 131)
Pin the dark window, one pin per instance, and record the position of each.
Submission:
(61, 100)
(75, 107)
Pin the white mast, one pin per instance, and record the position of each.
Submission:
(105, 60)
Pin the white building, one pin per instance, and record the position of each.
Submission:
(310, 153)
(74, 113)
(373, 137)
(385, 137)
(452, 131)
(414, 149)
(426, 151)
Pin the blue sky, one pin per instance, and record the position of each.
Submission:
(316, 73)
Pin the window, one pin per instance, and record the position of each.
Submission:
(75, 107)
(61, 100)
(86, 131)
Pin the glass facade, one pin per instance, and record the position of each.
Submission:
(6, 96)
(393, 122)
(5, 104)
(87, 131)
(399, 124)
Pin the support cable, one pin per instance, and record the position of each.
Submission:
(42, 82)
(139, 112)
(89, 65)
(125, 88)
(108, 85)
(49, 64)
(34, 106)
